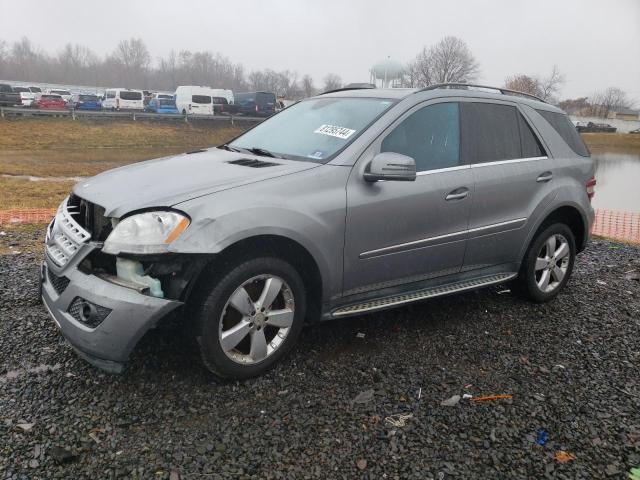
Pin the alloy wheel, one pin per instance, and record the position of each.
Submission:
(256, 319)
(552, 263)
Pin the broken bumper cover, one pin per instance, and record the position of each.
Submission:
(108, 345)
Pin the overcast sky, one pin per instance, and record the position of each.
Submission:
(595, 43)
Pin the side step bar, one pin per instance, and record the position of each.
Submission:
(386, 302)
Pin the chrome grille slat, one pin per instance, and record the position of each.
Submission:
(66, 236)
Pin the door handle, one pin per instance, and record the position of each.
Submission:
(457, 194)
(544, 177)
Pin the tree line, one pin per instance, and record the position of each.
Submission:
(131, 65)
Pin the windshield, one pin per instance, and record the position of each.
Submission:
(20, 89)
(60, 92)
(314, 129)
(88, 98)
(167, 102)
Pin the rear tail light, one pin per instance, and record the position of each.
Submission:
(591, 187)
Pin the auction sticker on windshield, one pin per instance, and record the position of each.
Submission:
(334, 131)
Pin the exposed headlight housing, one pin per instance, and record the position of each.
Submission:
(145, 233)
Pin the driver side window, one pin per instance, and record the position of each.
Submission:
(431, 136)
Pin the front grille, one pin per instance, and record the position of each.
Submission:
(90, 217)
(65, 236)
(59, 284)
(88, 313)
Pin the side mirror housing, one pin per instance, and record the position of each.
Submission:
(391, 166)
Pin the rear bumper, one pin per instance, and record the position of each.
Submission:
(110, 343)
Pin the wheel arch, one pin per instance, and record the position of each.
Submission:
(281, 247)
(569, 214)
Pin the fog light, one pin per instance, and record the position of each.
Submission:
(88, 313)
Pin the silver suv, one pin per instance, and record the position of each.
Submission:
(349, 202)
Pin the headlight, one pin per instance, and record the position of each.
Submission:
(149, 232)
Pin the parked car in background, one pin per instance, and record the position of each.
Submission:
(163, 95)
(591, 127)
(49, 101)
(9, 98)
(222, 106)
(26, 96)
(161, 105)
(34, 89)
(85, 101)
(65, 94)
(193, 99)
(123, 99)
(259, 104)
(637, 130)
(226, 94)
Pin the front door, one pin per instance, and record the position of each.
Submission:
(402, 232)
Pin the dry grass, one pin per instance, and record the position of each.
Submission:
(18, 193)
(67, 134)
(599, 141)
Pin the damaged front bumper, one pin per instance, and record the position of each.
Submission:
(104, 304)
(115, 316)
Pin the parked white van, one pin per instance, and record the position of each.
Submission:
(192, 99)
(123, 99)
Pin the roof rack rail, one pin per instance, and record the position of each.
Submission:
(465, 86)
(353, 87)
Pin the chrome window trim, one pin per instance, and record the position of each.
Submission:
(425, 241)
(506, 162)
(442, 170)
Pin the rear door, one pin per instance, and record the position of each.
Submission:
(512, 174)
(403, 232)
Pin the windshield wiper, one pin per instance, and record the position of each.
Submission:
(262, 152)
(227, 147)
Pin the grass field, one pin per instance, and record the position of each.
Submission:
(67, 148)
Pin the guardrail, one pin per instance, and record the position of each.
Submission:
(125, 115)
(613, 225)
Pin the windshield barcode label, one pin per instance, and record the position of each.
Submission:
(334, 131)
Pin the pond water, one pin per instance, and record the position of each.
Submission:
(618, 180)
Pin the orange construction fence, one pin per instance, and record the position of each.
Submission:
(624, 226)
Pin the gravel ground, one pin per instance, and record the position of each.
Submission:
(572, 367)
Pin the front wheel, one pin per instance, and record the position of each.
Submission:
(548, 263)
(249, 316)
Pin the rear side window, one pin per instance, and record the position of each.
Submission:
(530, 144)
(490, 132)
(200, 99)
(561, 124)
(431, 136)
(131, 95)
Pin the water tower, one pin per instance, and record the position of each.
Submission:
(388, 72)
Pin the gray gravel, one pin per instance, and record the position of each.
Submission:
(572, 367)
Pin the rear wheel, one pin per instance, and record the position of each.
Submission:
(249, 317)
(548, 263)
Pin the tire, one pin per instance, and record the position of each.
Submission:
(227, 308)
(542, 275)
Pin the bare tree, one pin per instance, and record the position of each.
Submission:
(332, 82)
(525, 84)
(550, 86)
(449, 61)
(307, 87)
(134, 58)
(608, 101)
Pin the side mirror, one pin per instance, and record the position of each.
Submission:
(391, 166)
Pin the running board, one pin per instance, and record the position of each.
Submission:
(423, 294)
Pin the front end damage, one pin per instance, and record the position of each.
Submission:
(104, 303)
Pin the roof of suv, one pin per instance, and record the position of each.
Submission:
(400, 93)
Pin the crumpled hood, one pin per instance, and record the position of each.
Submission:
(166, 181)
